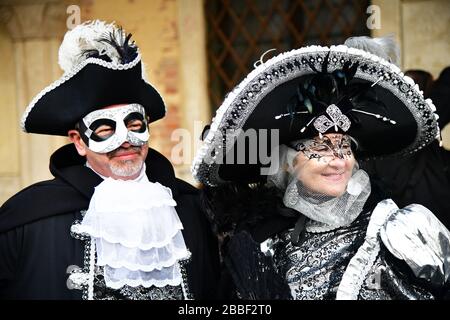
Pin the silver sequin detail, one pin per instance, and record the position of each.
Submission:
(336, 119)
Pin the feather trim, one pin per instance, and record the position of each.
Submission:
(96, 39)
(384, 47)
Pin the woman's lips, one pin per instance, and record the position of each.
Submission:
(333, 176)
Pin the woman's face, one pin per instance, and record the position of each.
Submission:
(325, 165)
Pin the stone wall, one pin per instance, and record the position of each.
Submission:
(171, 35)
(30, 33)
(422, 28)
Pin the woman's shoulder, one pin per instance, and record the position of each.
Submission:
(378, 192)
(257, 208)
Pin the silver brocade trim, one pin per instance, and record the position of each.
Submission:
(361, 263)
(127, 292)
(184, 279)
(236, 108)
(78, 277)
(323, 123)
(314, 269)
(91, 276)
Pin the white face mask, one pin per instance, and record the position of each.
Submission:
(107, 129)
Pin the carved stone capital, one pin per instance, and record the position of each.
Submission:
(27, 20)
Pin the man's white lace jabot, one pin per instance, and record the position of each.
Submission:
(137, 233)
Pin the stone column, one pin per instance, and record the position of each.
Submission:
(426, 27)
(194, 82)
(390, 15)
(9, 138)
(35, 30)
(422, 31)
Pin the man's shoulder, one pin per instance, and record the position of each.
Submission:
(186, 188)
(40, 200)
(35, 190)
(188, 200)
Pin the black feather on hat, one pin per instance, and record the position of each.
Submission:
(101, 68)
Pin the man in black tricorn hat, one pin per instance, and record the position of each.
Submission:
(115, 222)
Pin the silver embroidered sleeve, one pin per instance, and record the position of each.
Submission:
(415, 235)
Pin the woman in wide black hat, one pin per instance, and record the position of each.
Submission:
(316, 226)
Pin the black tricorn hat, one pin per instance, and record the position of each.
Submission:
(102, 68)
(312, 91)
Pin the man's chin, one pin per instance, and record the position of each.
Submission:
(126, 168)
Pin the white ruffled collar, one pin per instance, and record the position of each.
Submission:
(137, 232)
(329, 213)
(325, 213)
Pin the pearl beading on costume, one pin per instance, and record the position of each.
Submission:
(378, 116)
(91, 277)
(82, 278)
(184, 278)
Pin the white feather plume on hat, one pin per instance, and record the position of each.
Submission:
(110, 68)
(85, 37)
(384, 47)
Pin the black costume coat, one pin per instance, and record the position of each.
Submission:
(250, 216)
(36, 246)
